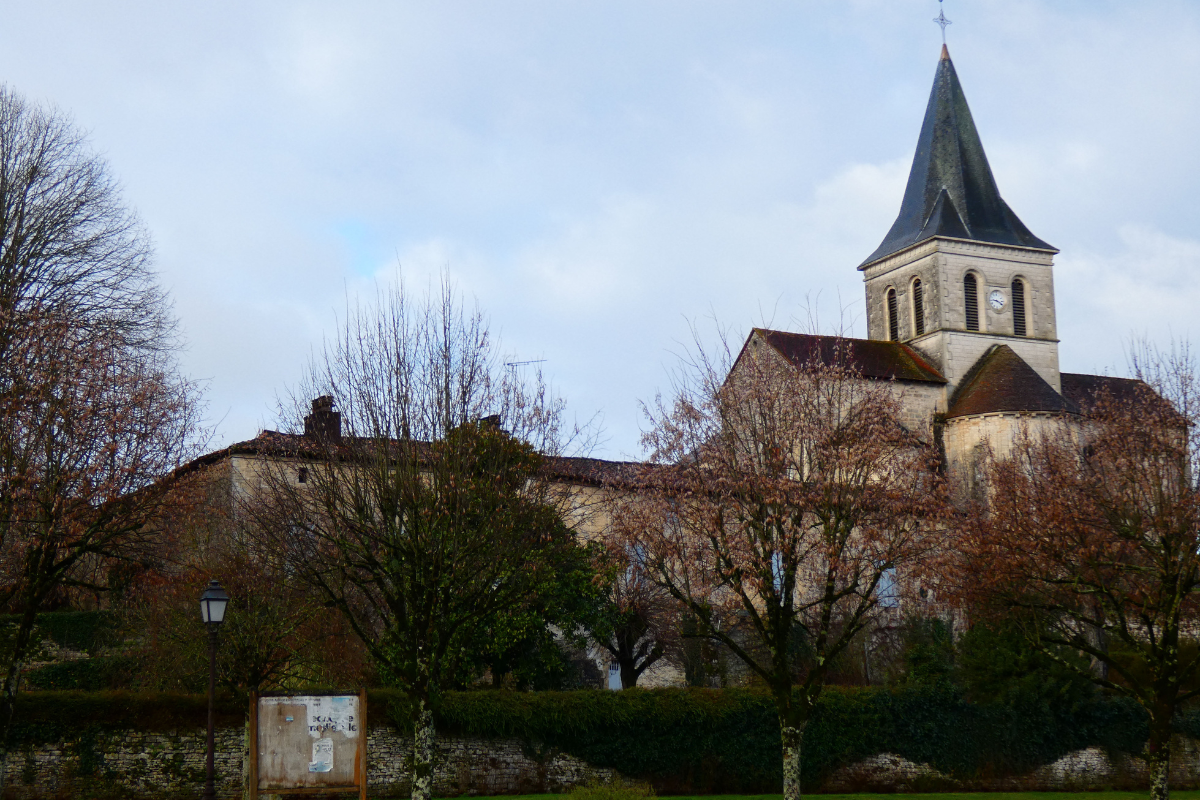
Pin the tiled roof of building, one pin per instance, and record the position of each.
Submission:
(875, 359)
(1083, 389)
(1086, 389)
(951, 191)
(1002, 381)
(573, 469)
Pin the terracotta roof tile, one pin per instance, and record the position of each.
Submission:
(876, 359)
(1002, 381)
(1084, 390)
(573, 469)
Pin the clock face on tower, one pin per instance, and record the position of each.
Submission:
(996, 299)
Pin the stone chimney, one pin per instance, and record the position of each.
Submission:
(324, 424)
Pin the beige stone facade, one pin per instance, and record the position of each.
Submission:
(942, 265)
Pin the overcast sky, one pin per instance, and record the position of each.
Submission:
(597, 174)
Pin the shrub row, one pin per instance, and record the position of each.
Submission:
(86, 674)
(77, 630)
(728, 740)
(688, 740)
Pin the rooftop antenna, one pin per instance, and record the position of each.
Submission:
(515, 364)
(941, 20)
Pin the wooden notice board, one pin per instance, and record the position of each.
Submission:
(308, 744)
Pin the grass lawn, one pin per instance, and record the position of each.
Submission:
(1175, 795)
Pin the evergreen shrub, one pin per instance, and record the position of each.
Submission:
(727, 740)
(46, 717)
(680, 740)
(85, 631)
(88, 674)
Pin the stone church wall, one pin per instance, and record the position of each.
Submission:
(918, 403)
(967, 438)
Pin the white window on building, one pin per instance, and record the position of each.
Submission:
(886, 591)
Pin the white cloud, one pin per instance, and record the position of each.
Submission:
(1148, 286)
(597, 173)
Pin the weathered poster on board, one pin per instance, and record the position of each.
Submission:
(310, 741)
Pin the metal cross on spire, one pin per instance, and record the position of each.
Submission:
(941, 20)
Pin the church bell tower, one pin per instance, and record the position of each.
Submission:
(958, 272)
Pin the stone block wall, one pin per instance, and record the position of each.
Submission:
(1091, 769)
(125, 764)
(468, 766)
(134, 764)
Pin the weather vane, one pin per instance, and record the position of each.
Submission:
(941, 20)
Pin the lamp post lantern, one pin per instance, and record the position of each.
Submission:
(212, 612)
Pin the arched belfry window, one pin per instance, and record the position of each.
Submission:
(971, 295)
(1018, 305)
(893, 316)
(918, 301)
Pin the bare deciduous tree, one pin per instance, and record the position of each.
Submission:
(782, 499)
(274, 634)
(71, 247)
(93, 409)
(638, 622)
(425, 509)
(1089, 537)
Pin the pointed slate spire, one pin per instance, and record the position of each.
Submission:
(951, 191)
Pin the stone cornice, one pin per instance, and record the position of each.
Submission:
(961, 247)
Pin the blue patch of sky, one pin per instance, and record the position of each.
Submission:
(365, 250)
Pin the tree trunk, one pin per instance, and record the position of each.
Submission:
(12, 682)
(1158, 758)
(12, 679)
(423, 750)
(791, 736)
(629, 674)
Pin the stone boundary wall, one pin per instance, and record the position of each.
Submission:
(125, 764)
(135, 764)
(1091, 769)
(128, 764)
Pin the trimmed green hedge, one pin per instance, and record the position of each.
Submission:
(42, 717)
(77, 630)
(709, 740)
(683, 740)
(87, 674)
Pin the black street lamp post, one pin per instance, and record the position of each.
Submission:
(212, 611)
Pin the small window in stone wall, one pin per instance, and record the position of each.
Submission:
(971, 294)
(893, 316)
(887, 591)
(918, 308)
(977, 477)
(614, 676)
(302, 475)
(1018, 304)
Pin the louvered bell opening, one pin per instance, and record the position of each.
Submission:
(1018, 304)
(918, 308)
(971, 291)
(893, 317)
